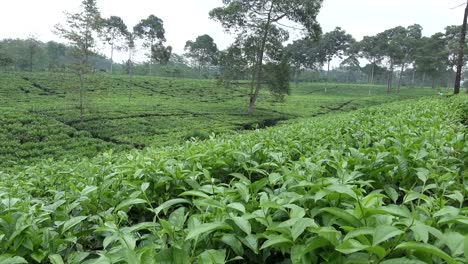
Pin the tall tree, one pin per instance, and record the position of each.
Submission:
(114, 33)
(334, 44)
(369, 50)
(259, 18)
(233, 64)
(130, 41)
(452, 36)
(351, 63)
(33, 49)
(203, 51)
(81, 31)
(431, 56)
(461, 52)
(303, 54)
(408, 43)
(390, 42)
(56, 52)
(151, 30)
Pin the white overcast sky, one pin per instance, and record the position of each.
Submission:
(186, 19)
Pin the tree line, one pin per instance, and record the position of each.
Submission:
(261, 52)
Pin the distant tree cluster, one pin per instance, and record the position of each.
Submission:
(261, 52)
(397, 56)
(33, 55)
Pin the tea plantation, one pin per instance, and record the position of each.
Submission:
(384, 184)
(40, 115)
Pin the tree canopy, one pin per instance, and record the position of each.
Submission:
(263, 19)
(203, 51)
(151, 30)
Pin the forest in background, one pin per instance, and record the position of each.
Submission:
(430, 62)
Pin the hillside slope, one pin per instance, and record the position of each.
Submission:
(41, 117)
(383, 183)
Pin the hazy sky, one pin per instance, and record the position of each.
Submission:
(186, 19)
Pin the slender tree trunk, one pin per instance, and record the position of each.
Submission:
(199, 70)
(150, 67)
(31, 57)
(449, 78)
(130, 95)
(81, 99)
(252, 83)
(401, 76)
(433, 83)
(423, 80)
(112, 59)
(259, 67)
(390, 78)
(372, 74)
(130, 72)
(414, 76)
(328, 75)
(461, 53)
(296, 77)
(151, 58)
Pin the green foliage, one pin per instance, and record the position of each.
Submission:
(152, 31)
(161, 54)
(431, 55)
(40, 116)
(334, 44)
(384, 184)
(114, 31)
(80, 31)
(203, 51)
(50, 56)
(234, 66)
(257, 24)
(278, 78)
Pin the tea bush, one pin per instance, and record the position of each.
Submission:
(386, 184)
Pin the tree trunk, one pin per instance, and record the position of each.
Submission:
(259, 70)
(390, 79)
(328, 75)
(112, 59)
(81, 99)
(31, 57)
(252, 83)
(401, 76)
(150, 67)
(151, 58)
(130, 95)
(423, 80)
(368, 78)
(296, 77)
(449, 78)
(199, 70)
(461, 53)
(414, 76)
(433, 83)
(372, 74)
(130, 72)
